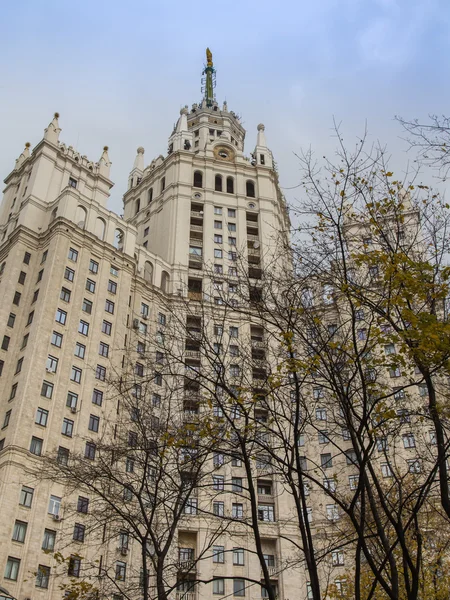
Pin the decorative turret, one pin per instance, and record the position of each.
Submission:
(181, 138)
(262, 155)
(104, 164)
(137, 172)
(25, 154)
(51, 134)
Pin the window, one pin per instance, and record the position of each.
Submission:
(12, 395)
(234, 332)
(7, 418)
(217, 253)
(112, 287)
(72, 400)
(90, 285)
(67, 427)
(93, 266)
(35, 296)
(232, 213)
(106, 327)
(332, 512)
(16, 299)
(337, 558)
(78, 532)
(414, 465)
(217, 239)
(236, 484)
(72, 182)
(386, 470)
(63, 456)
(36, 446)
(69, 274)
(238, 587)
(44, 256)
(190, 507)
(5, 342)
(321, 414)
(54, 505)
(109, 306)
(19, 531)
(121, 571)
(326, 461)
(266, 512)
(218, 483)
(238, 556)
(86, 306)
(100, 373)
(237, 510)
(56, 339)
(218, 209)
(408, 440)
(218, 509)
(198, 179)
(74, 566)
(350, 457)
(218, 554)
(48, 543)
(26, 258)
(26, 496)
(42, 576)
(217, 224)
(30, 319)
(230, 185)
(11, 320)
(82, 504)
(353, 482)
(52, 364)
(2, 363)
(97, 397)
(83, 327)
(76, 374)
(94, 423)
(41, 417)
(65, 294)
(231, 227)
(161, 318)
(12, 568)
(19, 366)
(73, 254)
(89, 451)
(395, 372)
(103, 349)
(232, 241)
(80, 350)
(218, 585)
(389, 349)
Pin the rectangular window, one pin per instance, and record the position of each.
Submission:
(217, 210)
(266, 512)
(112, 287)
(74, 566)
(219, 509)
(89, 451)
(56, 339)
(217, 253)
(237, 510)
(63, 456)
(72, 400)
(12, 395)
(26, 496)
(90, 285)
(79, 532)
(121, 571)
(5, 342)
(217, 224)
(73, 254)
(218, 586)
(97, 397)
(30, 319)
(11, 320)
(48, 543)
(82, 505)
(44, 256)
(43, 576)
(75, 374)
(26, 258)
(232, 256)
(109, 307)
(218, 483)
(61, 316)
(69, 274)
(72, 182)
(94, 423)
(100, 373)
(408, 440)
(239, 587)
(35, 296)
(65, 294)
(217, 239)
(326, 461)
(7, 418)
(12, 568)
(52, 364)
(103, 349)
(86, 306)
(67, 427)
(19, 531)
(83, 327)
(19, 366)
(218, 553)
(16, 299)
(41, 417)
(232, 241)
(36, 445)
(236, 484)
(232, 213)
(231, 227)
(93, 266)
(114, 271)
(80, 350)
(332, 512)
(238, 556)
(106, 327)
(218, 269)
(161, 319)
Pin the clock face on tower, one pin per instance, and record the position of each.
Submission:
(223, 153)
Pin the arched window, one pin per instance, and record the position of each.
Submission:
(118, 239)
(165, 281)
(218, 183)
(148, 271)
(81, 216)
(138, 206)
(250, 189)
(100, 228)
(163, 184)
(230, 185)
(198, 179)
(150, 195)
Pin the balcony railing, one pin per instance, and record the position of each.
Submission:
(195, 296)
(273, 571)
(186, 596)
(196, 214)
(195, 242)
(196, 227)
(250, 237)
(192, 353)
(187, 565)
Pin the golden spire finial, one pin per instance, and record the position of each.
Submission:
(209, 62)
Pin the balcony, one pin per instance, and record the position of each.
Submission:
(187, 565)
(196, 241)
(196, 228)
(258, 343)
(273, 571)
(250, 238)
(186, 596)
(254, 251)
(196, 214)
(192, 353)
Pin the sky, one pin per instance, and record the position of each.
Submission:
(119, 72)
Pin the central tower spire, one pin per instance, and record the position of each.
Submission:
(209, 79)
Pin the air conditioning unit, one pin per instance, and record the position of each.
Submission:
(123, 551)
(56, 517)
(73, 409)
(49, 370)
(136, 323)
